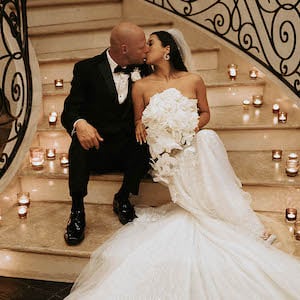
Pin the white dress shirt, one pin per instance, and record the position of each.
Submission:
(120, 79)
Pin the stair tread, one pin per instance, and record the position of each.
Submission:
(232, 117)
(42, 231)
(252, 168)
(93, 25)
(235, 117)
(76, 55)
(46, 3)
(216, 79)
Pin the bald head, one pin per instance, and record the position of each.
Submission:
(128, 44)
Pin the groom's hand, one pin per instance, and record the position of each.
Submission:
(87, 135)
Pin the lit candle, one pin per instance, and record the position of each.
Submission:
(246, 103)
(59, 83)
(292, 167)
(293, 156)
(253, 73)
(22, 211)
(52, 118)
(23, 198)
(282, 117)
(232, 71)
(275, 108)
(50, 153)
(257, 100)
(291, 214)
(37, 157)
(64, 161)
(276, 154)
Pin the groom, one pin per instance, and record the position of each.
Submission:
(98, 114)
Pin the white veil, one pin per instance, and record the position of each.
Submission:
(183, 47)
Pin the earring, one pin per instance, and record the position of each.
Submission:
(166, 56)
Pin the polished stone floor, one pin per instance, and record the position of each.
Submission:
(28, 289)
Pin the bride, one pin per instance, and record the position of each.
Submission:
(206, 244)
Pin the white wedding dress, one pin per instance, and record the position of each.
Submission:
(205, 245)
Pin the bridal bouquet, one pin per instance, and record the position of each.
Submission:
(170, 120)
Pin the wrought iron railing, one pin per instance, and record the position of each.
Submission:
(15, 80)
(268, 31)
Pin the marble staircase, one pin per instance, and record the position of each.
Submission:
(34, 247)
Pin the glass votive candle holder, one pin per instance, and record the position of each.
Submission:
(297, 231)
(257, 100)
(52, 118)
(36, 157)
(292, 168)
(59, 83)
(275, 108)
(246, 103)
(282, 117)
(23, 198)
(293, 156)
(232, 71)
(291, 215)
(276, 154)
(64, 160)
(22, 211)
(253, 74)
(51, 153)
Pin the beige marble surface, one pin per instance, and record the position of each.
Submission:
(258, 168)
(235, 117)
(42, 231)
(252, 167)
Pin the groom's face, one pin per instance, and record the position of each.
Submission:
(137, 48)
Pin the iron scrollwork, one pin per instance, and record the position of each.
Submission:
(268, 31)
(15, 80)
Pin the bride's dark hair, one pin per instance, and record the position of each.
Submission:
(176, 60)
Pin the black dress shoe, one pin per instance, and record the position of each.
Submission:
(74, 233)
(124, 209)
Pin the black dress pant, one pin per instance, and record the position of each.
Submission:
(117, 153)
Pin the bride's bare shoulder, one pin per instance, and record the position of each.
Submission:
(143, 83)
(194, 77)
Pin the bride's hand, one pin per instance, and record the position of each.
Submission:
(140, 132)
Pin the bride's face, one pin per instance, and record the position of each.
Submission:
(156, 50)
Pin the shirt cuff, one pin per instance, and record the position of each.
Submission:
(74, 128)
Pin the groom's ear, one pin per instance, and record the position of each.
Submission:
(124, 49)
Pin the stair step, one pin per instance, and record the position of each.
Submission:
(236, 117)
(219, 93)
(239, 129)
(61, 65)
(46, 3)
(53, 18)
(79, 35)
(34, 247)
(272, 189)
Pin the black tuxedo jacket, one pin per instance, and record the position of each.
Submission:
(93, 97)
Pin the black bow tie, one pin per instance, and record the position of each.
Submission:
(126, 70)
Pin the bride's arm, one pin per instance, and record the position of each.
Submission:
(138, 106)
(204, 113)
